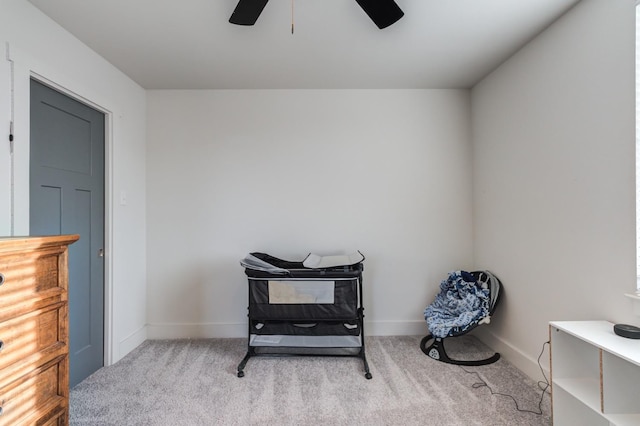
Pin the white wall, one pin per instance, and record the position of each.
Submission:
(291, 172)
(5, 150)
(553, 140)
(39, 47)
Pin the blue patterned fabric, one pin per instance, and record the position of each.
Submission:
(461, 303)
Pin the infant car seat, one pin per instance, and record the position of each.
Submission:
(466, 300)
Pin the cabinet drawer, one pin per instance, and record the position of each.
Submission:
(32, 333)
(29, 276)
(34, 397)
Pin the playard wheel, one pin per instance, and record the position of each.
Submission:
(368, 376)
(240, 373)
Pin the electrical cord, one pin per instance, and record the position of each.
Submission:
(542, 385)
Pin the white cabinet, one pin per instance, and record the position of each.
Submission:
(595, 375)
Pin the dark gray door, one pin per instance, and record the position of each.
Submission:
(67, 197)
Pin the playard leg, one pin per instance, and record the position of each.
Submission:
(367, 372)
(243, 363)
(436, 351)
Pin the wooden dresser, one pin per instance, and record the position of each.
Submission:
(34, 333)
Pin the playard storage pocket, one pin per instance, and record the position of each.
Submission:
(323, 328)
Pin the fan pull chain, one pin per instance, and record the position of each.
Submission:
(292, 23)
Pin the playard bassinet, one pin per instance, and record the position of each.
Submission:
(313, 307)
(466, 300)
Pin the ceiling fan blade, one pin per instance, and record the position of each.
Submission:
(247, 12)
(382, 12)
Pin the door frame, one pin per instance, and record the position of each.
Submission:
(25, 68)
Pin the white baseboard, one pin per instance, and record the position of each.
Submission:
(395, 328)
(515, 356)
(195, 330)
(131, 342)
(225, 330)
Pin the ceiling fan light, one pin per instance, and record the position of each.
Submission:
(382, 12)
(247, 12)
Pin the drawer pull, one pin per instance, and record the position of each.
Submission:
(1, 278)
(1, 347)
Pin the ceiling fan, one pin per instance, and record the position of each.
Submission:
(382, 12)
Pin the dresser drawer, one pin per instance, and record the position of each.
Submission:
(35, 397)
(30, 276)
(33, 338)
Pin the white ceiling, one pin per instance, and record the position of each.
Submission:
(189, 44)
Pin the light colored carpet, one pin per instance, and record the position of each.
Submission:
(193, 382)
